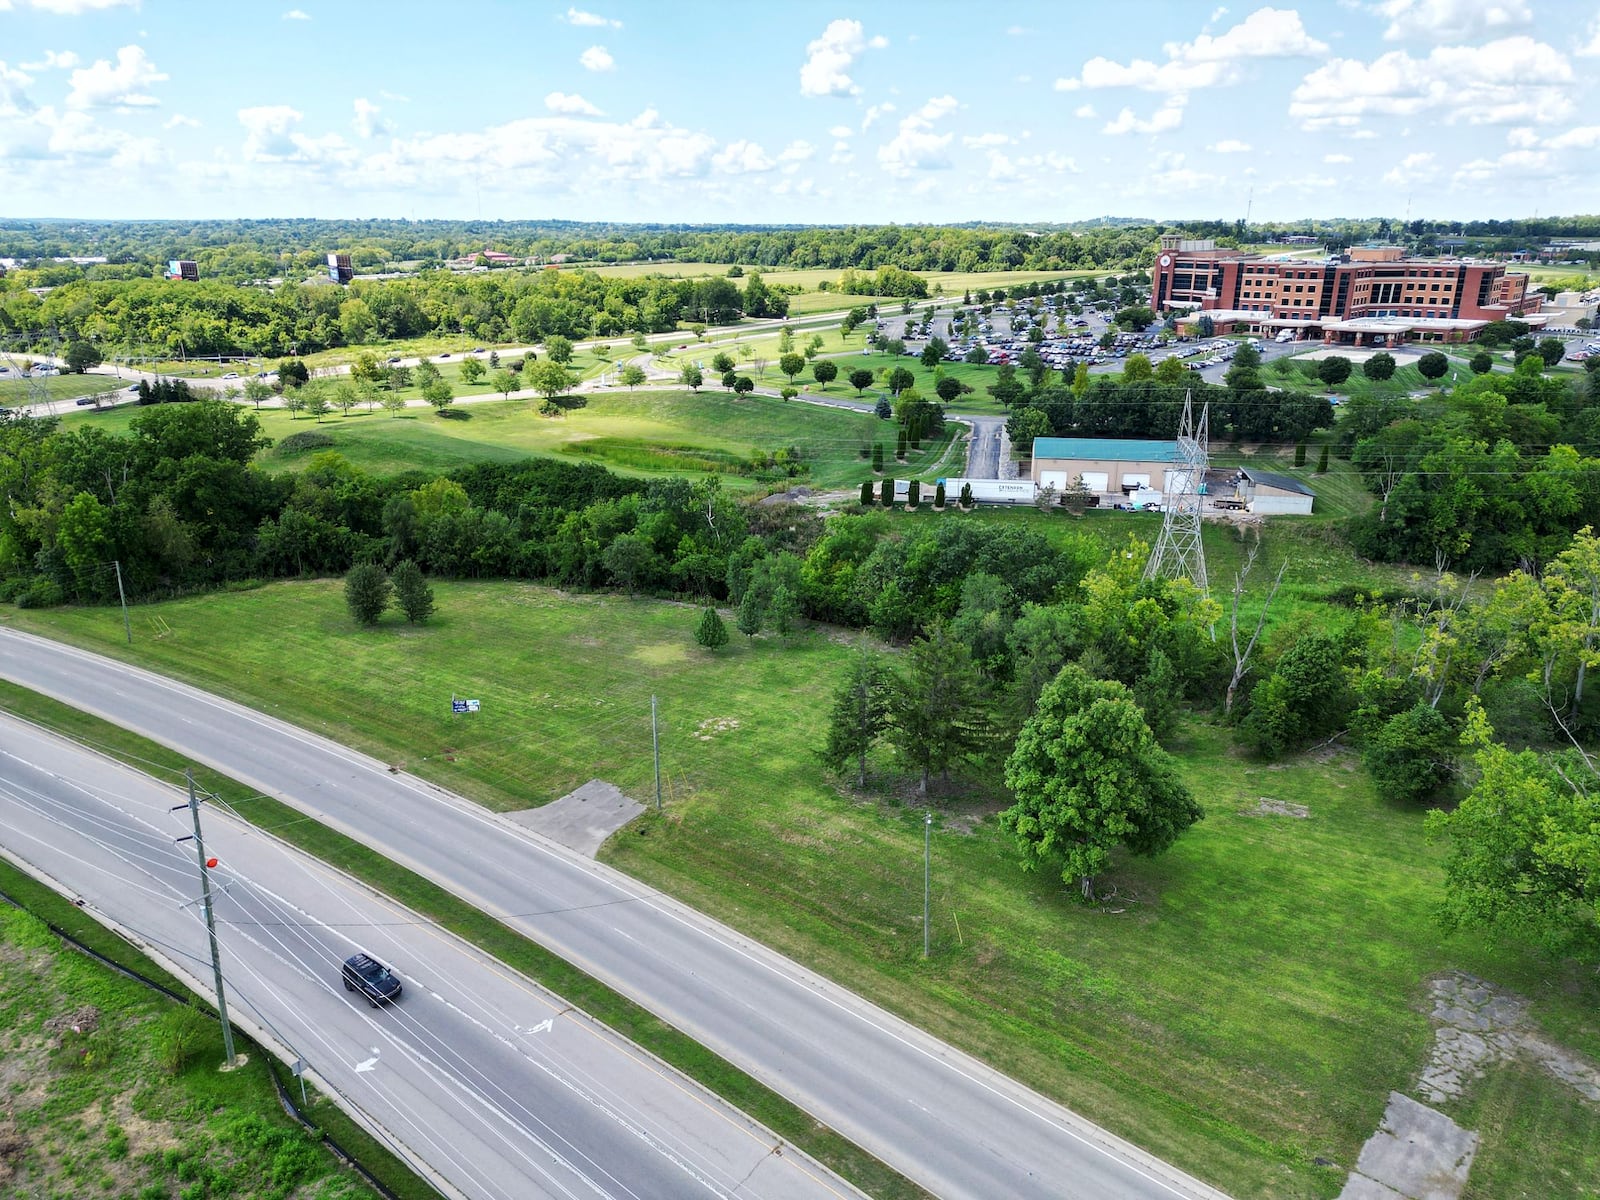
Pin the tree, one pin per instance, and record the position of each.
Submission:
(933, 353)
(1088, 776)
(1007, 388)
(1379, 366)
(729, 378)
(317, 404)
(1333, 370)
(256, 391)
(1481, 363)
(744, 385)
(691, 377)
(82, 355)
(393, 403)
(791, 364)
(1552, 350)
(824, 372)
(751, 611)
(292, 373)
(949, 388)
(1524, 846)
(886, 493)
(782, 610)
(883, 410)
(900, 379)
(633, 376)
(866, 492)
(558, 350)
(877, 458)
(1411, 755)
(437, 393)
(1136, 368)
(472, 370)
(550, 379)
(1322, 460)
(938, 494)
(1433, 365)
(630, 559)
(722, 362)
(860, 379)
(412, 592)
(937, 715)
(711, 632)
(859, 716)
(366, 592)
(503, 382)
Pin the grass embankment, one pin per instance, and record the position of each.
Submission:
(16, 391)
(648, 433)
(434, 902)
(1242, 1008)
(117, 1111)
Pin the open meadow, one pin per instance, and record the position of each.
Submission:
(1243, 1006)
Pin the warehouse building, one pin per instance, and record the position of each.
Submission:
(1267, 493)
(1111, 468)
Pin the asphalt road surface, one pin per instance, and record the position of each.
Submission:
(500, 1088)
(960, 1129)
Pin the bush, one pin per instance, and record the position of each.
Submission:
(866, 493)
(914, 494)
(711, 632)
(412, 593)
(42, 593)
(966, 495)
(303, 443)
(938, 494)
(1411, 756)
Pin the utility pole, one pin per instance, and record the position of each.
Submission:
(123, 596)
(655, 746)
(211, 924)
(927, 875)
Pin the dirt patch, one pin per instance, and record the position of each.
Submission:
(1268, 807)
(712, 726)
(1479, 1024)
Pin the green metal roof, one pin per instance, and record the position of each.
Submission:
(1108, 449)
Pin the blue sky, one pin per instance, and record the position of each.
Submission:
(712, 111)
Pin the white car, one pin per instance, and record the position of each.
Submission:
(231, 375)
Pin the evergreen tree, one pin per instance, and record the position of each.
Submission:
(1322, 460)
(886, 492)
(859, 716)
(711, 632)
(877, 458)
(750, 614)
(866, 493)
(938, 494)
(939, 709)
(782, 610)
(900, 446)
(412, 592)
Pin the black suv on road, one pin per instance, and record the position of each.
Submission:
(371, 978)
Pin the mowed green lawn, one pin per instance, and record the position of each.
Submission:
(1242, 1006)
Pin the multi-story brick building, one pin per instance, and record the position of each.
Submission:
(1367, 297)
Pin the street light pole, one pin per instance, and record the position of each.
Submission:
(927, 875)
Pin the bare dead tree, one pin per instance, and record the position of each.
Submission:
(1241, 656)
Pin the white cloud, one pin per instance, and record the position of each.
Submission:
(1514, 79)
(1523, 136)
(1413, 168)
(841, 153)
(596, 58)
(1207, 61)
(742, 158)
(841, 131)
(1363, 135)
(576, 16)
(1230, 146)
(1522, 163)
(1585, 137)
(179, 121)
(988, 139)
(1017, 31)
(826, 71)
(1337, 158)
(874, 112)
(1216, 15)
(14, 99)
(1591, 48)
(297, 14)
(272, 134)
(393, 97)
(1452, 20)
(571, 104)
(1168, 116)
(67, 8)
(916, 147)
(62, 60)
(104, 85)
(1084, 110)
(1024, 79)
(367, 123)
(797, 152)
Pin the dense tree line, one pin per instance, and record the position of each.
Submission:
(210, 318)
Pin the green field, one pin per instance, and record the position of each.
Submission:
(1243, 1007)
(15, 391)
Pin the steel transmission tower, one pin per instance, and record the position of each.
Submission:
(1180, 552)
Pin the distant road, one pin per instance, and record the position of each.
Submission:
(498, 1087)
(957, 1127)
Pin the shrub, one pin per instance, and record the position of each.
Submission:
(866, 493)
(914, 494)
(886, 492)
(711, 632)
(366, 592)
(42, 593)
(1410, 758)
(877, 458)
(966, 495)
(938, 494)
(303, 443)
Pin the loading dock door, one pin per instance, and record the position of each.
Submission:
(1130, 482)
(1096, 481)
(1055, 479)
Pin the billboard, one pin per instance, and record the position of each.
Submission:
(339, 268)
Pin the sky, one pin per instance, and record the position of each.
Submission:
(762, 111)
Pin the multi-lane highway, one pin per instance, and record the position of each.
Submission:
(945, 1120)
(498, 1088)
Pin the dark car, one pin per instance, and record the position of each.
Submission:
(371, 978)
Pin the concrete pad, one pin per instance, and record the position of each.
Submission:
(583, 819)
(1418, 1152)
(1359, 1187)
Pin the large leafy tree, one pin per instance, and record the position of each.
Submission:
(1524, 846)
(1089, 777)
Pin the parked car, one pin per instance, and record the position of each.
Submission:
(365, 974)
(84, 401)
(231, 375)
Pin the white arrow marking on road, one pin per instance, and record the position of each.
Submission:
(370, 1064)
(544, 1026)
